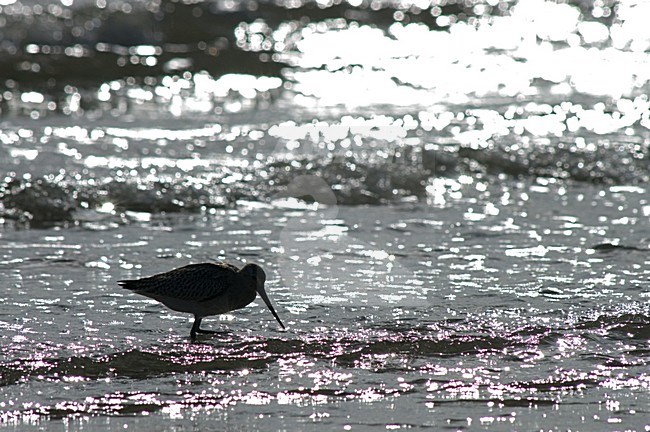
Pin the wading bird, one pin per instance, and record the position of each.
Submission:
(204, 290)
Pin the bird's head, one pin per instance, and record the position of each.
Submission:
(256, 274)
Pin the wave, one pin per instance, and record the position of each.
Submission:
(87, 43)
(430, 355)
(354, 180)
(455, 338)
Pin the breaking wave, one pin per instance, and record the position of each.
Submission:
(406, 173)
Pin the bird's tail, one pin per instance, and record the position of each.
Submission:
(132, 285)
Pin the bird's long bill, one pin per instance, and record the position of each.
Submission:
(262, 293)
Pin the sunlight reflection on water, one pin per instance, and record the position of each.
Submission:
(453, 215)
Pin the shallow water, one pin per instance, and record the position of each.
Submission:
(455, 224)
(404, 315)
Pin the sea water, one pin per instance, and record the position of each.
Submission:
(449, 200)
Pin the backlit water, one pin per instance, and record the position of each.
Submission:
(449, 199)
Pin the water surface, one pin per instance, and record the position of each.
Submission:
(450, 202)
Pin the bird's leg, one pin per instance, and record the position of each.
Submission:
(196, 328)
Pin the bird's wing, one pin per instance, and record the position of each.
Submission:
(195, 282)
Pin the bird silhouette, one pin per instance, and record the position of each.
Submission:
(205, 289)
